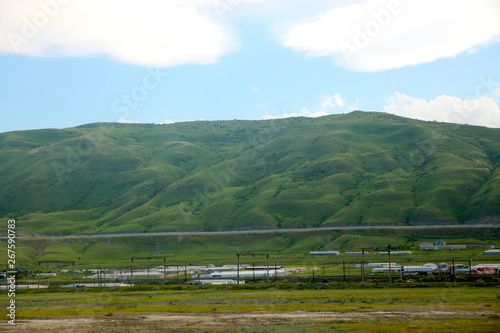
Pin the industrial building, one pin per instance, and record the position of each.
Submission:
(213, 282)
(440, 245)
(243, 274)
(46, 274)
(97, 285)
(396, 253)
(324, 253)
(407, 269)
(378, 265)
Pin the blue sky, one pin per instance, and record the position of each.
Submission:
(72, 62)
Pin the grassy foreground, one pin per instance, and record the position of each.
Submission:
(263, 309)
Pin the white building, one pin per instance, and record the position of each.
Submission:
(124, 275)
(243, 274)
(492, 252)
(324, 253)
(378, 265)
(427, 246)
(46, 274)
(214, 282)
(440, 245)
(424, 268)
(96, 285)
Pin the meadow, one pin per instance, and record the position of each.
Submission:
(262, 308)
(297, 304)
(287, 249)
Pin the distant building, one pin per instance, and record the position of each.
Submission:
(452, 247)
(427, 246)
(440, 245)
(96, 285)
(492, 252)
(46, 274)
(25, 286)
(356, 253)
(396, 253)
(242, 274)
(407, 269)
(324, 253)
(215, 281)
(484, 270)
(378, 265)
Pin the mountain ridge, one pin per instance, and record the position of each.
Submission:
(356, 169)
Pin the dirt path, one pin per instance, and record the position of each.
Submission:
(219, 321)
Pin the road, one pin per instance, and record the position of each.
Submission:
(237, 232)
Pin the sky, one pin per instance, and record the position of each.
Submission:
(65, 63)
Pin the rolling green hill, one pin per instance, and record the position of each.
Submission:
(359, 168)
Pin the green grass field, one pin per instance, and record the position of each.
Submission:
(447, 309)
(288, 249)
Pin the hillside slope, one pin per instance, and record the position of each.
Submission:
(352, 169)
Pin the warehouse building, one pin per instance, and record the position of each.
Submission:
(324, 253)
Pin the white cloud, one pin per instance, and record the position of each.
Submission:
(472, 51)
(124, 121)
(496, 92)
(482, 111)
(380, 34)
(257, 90)
(167, 121)
(304, 112)
(326, 102)
(154, 33)
(331, 101)
(355, 106)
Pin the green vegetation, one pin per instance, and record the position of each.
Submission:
(460, 309)
(359, 168)
(288, 249)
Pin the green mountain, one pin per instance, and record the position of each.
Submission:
(358, 168)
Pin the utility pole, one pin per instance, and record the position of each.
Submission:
(363, 268)
(131, 271)
(38, 275)
(343, 269)
(267, 258)
(164, 271)
(470, 269)
(389, 252)
(275, 273)
(238, 271)
(453, 269)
